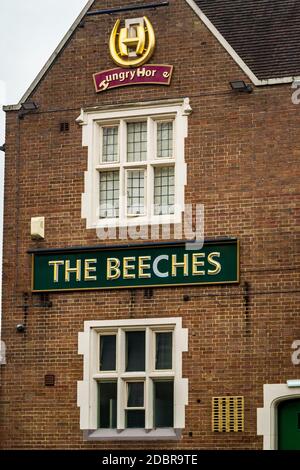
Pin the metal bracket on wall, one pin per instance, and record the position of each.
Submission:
(146, 6)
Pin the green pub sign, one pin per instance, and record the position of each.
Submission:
(135, 266)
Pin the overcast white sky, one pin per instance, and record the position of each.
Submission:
(30, 30)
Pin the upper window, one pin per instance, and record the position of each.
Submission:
(145, 171)
(136, 172)
(134, 381)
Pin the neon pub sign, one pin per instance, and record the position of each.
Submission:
(135, 266)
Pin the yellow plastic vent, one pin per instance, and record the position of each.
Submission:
(228, 414)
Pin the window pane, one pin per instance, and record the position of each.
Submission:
(135, 351)
(107, 404)
(163, 404)
(135, 419)
(135, 394)
(108, 352)
(165, 139)
(109, 194)
(163, 359)
(136, 192)
(136, 141)
(164, 190)
(110, 144)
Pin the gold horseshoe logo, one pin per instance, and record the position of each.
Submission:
(133, 45)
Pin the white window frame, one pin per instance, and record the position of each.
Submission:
(89, 342)
(91, 121)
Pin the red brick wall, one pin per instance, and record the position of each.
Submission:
(242, 153)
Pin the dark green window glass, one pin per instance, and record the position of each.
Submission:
(135, 397)
(107, 352)
(163, 404)
(163, 359)
(135, 351)
(135, 418)
(107, 404)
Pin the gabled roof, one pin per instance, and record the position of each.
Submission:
(264, 33)
(260, 35)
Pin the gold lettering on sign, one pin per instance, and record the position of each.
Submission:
(127, 267)
(89, 269)
(76, 270)
(197, 263)
(56, 265)
(138, 42)
(143, 266)
(113, 268)
(178, 264)
(215, 263)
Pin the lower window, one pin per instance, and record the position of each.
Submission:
(133, 377)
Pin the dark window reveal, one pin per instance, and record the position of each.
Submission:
(135, 418)
(163, 358)
(135, 398)
(64, 127)
(163, 404)
(135, 351)
(107, 352)
(107, 404)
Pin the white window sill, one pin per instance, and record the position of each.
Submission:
(139, 221)
(160, 434)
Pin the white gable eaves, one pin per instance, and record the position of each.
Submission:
(16, 107)
(256, 81)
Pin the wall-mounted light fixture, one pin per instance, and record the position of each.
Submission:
(37, 228)
(241, 86)
(27, 107)
(2, 148)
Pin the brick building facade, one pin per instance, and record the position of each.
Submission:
(232, 340)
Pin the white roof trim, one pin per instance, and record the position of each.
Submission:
(256, 81)
(203, 18)
(16, 107)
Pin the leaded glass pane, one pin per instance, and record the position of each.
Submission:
(109, 194)
(135, 192)
(136, 141)
(164, 190)
(165, 139)
(110, 144)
